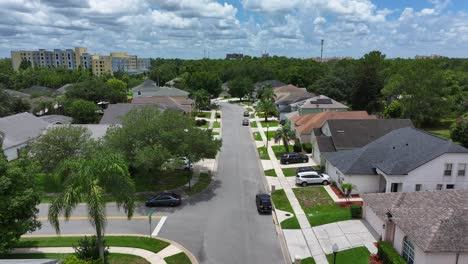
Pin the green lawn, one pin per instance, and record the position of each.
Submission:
(203, 181)
(179, 258)
(316, 201)
(257, 136)
(282, 203)
(113, 258)
(270, 134)
(215, 133)
(271, 173)
(161, 181)
(203, 114)
(309, 260)
(216, 124)
(444, 133)
(262, 152)
(271, 123)
(252, 115)
(359, 255)
(289, 172)
(151, 244)
(253, 124)
(250, 109)
(278, 150)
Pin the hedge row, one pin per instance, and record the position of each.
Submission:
(388, 254)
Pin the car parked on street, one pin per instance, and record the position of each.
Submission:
(312, 177)
(245, 122)
(246, 114)
(263, 202)
(306, 168)
(294, 157)
(164, 199)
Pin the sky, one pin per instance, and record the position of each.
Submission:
(191, 29)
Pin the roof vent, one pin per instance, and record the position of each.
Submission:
(406, 144)
(393, 147)
(340, 131)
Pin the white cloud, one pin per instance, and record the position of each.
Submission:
(320, 21)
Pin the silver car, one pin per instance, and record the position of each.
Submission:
(312, 177)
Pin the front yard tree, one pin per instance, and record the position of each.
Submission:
(89, 180)
(459, 130)
(285, 134)
(240, 87)
(201, 98)
(267, 107)
(19, 198)
(83, 112)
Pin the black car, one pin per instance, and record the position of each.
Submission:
(293, 158)
(246, 114)
(263, 203)
(164, 199)
(245, 122)
(303, 169)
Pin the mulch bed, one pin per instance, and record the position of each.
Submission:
(348, 204)
(374, 259)
(340, 195)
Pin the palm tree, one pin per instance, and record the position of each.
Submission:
(89, 180)
(267, 107)
(267, 94)
(286, 134)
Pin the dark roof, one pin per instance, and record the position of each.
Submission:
(355, 133)
(114, 113)
(436, 221)
(38, 89)
(57, 119)
(273, 83)
(397, 153)
(146, 85)
(20, 128)
(17, 94)
(149, 88)
(325, 144)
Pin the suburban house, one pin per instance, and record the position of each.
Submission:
(16, 131)
(427, 227)
(166, 102)
(114, 113)
(17, 94)
(305, 124)
(96, 131)
(403, 160)
(268, 84)
(341, 134)
(57, 119)
(36, 89)
(287, 95)
(317, 104)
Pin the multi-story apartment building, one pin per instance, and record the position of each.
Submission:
(80, 58)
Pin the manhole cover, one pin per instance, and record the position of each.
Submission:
(287, 214)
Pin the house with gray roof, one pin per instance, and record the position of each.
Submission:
(16, 131)
(317, 104)
(428, 227)
(403, 160)
(57, 119)
(149, 88)
(17, 94)
(286, 96)
(36, 89)
(114, 113)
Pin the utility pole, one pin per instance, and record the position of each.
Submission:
(321, 50)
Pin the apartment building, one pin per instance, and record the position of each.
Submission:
(101, 64)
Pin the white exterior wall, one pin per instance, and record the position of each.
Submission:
(373, 220)
(363, 183)
(12, 153)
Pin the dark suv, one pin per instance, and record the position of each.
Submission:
(263, 203)
(294, 158)
(303, 169)
(164, 199)
(246, 114)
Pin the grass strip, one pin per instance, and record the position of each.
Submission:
(358, 255)
(180, 258)
(282, 203)
(271, 173)
(203, 181)
(263, 153)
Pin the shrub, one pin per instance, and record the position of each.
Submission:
(73, 259)
(88, 249)
(356, 211)
(297, 147)
(307, 147)
(200, 122)
(218, 115)
(388, 254)
(200, 114)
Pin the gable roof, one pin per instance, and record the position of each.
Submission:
(396, 153)
(17, 94)
(146, 85)
(167, 102)
(57, 119)
(349, 134)
(306, 123)
(437, 221)
(20, 128)
(273, 83)
(319, 102)
(38, 89)
(114, 113)
(63, 89)
(149, 89)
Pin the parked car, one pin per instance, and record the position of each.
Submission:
(245, 122)
(303, 169)
(312, 177)
(164, 199)
(263, 201)
(246, 114)
(294, 158)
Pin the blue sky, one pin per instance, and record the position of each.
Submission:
(185, 28)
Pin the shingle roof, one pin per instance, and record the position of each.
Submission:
(149, 89)
(20, 128)
(17, 94)
(57, 119)
(38, 89)
(273, 83)
(115, 112)
(63, 89)
(397, 153)
(290, 94)
(167, 102)
(437, 221)
(97, 131)
(320, 101)
(349, 134)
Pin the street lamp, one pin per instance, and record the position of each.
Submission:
(335, 251)
(189, 167)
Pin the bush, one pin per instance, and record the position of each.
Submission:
(200, 114)
(200, 122)
(88, 249)
(388, 254)
(73, 259)
(307, 147)
(297, 147)
(356, 211)
(218, 115)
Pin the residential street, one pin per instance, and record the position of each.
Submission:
(219, 226)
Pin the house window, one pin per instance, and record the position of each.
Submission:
(417, 187)
(448, 169)
(439, 187)
(461, 169)
(408, 251)
(450, 186)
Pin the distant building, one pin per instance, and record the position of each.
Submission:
(234, 56)
(433, 56)
(318, 59)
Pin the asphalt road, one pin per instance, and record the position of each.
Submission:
(220, 225)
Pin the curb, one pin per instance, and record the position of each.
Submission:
(179, 246)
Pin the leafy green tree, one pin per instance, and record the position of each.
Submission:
(89, 180)
(205, 80)
(96, 90)
(285, 134)
(201, 98)
(60, 144)
(25, 64)
(240, 87)
(333, 87)
(83, 112)
(266, 93)
(459, 130)
(116, 84)
(393, 110)
(10, 105)
(267, 107)
(19, 198)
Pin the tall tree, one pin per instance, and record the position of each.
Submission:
(459, 130)
(89, 180)
(267, 107)
(116, 84)
(201, 98)
(208, 81)
(285, 134)
(83, 112)
(266, 93)
(240, 87)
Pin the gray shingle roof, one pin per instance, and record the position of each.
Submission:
(63, 89)
(57, 119)
(355, 133)
(397, 153)
(115, 112)
(38, 89)
(437, 221)
(320, 101)
(20, 128)
(273, 83)
(149, 89)
(17, 94)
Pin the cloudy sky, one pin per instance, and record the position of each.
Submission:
(185, 28)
